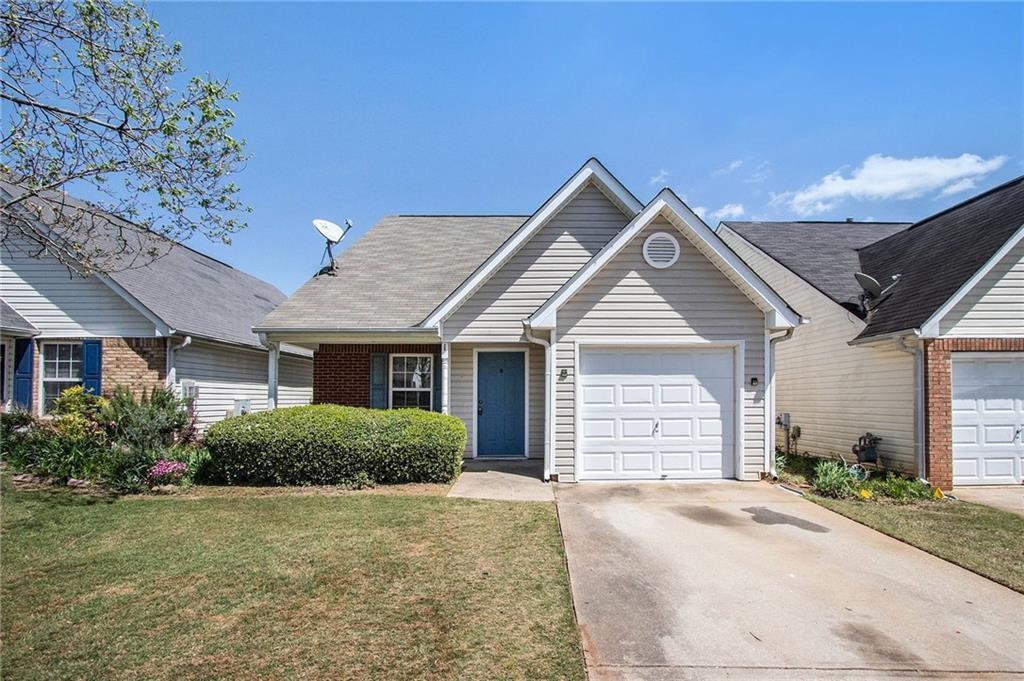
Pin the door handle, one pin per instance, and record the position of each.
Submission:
(1017, 433)
(480, 408)
(657, 424)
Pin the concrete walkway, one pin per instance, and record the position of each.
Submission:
(1006, 497)
(746, 581)
(503, 480)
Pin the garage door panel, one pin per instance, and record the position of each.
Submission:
(656, 414)
(988, 410)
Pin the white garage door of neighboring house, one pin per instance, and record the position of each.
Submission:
(988, 415)
(656, 413)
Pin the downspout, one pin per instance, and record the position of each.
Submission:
(770, 396)
(171, 372)
(548, 382)
(901, 344)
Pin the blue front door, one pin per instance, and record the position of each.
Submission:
(501, 404)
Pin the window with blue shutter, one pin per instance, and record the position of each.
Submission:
(92, 366)
(379, 380)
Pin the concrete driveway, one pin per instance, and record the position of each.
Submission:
(746, 581)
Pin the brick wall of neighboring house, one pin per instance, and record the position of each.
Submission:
(137, 363)
(341, 373)
(939, 398)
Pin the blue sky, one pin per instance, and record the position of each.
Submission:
(748, 111)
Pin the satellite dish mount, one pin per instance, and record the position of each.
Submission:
(333, 234)
(873, 291)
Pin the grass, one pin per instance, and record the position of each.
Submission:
(226, 585)
(985, 540)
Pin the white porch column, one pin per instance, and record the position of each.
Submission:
(273, 362)
(445, 374)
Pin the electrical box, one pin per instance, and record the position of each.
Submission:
(242, 407)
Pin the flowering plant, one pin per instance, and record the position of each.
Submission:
(166, 472)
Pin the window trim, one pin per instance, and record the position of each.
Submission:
(43, 380)
(3, 374)
(391, 384)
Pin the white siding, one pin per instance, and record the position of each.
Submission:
(692, 299)
(461, 393)
(224, 373)
(995, 306)
(836, 392)
(8, 391)
(61, 304)
(540, 267)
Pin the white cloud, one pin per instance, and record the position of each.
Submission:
(729, 211)
(701, 211)
(886, 177)
(660, 177)
(733, 165)
(759, 174)
(959, 186)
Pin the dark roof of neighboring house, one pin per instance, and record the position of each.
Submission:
(938, 255)
(191, 293)
(824, 254)
(396, 274)
(13, 323)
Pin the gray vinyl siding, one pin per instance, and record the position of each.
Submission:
(692, 299)
(225, 373)
(540, 267)
(834, 391)
(460, 396)
(61, 304)
(995, 306)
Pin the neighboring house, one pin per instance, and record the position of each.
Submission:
(182, 320)
(612, 339)
(936, 367)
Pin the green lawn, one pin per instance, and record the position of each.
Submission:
(362, 585)
(982, 539)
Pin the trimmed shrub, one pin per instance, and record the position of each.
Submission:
(330, 444)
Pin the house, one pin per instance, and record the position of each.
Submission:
(168, 316)
(935, 366)
(615, 340)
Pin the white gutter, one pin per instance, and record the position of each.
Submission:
(919, 407)
(770, 399)
(549, 383)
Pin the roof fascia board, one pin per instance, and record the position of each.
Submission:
(162, 328)
(930, 328)
(592, 170)
(781, 316)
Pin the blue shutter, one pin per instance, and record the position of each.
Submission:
(23, 372)
(92, 366)
(436, 373)
(379, 380)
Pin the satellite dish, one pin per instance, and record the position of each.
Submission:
(330, 231)
(870, 285)
(333, 233)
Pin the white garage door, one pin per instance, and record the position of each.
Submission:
(656, 413)
(988, 415)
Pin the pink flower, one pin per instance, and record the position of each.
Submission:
(166, 472)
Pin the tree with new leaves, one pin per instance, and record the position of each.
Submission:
(95, 102)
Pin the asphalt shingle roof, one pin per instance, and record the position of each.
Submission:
(396, 274)
(937, 255)
(824, 254)
(12, 322)
(191, 293)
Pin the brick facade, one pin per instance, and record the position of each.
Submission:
(341, 373)
(137, 363)
(938, 361)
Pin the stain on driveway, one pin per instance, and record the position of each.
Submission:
(743, 580)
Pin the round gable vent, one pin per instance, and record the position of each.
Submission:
(661, 250)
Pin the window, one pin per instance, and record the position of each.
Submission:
(62, 369)
(412, 381)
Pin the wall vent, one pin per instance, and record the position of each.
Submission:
(661, 250)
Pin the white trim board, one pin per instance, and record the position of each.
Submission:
(526, 396)
(667, 204)
(738, 348)
(591, 172)
(930, 328)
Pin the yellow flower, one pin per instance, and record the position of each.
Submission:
(865, 493)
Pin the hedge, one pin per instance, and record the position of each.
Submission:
(329, 444)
